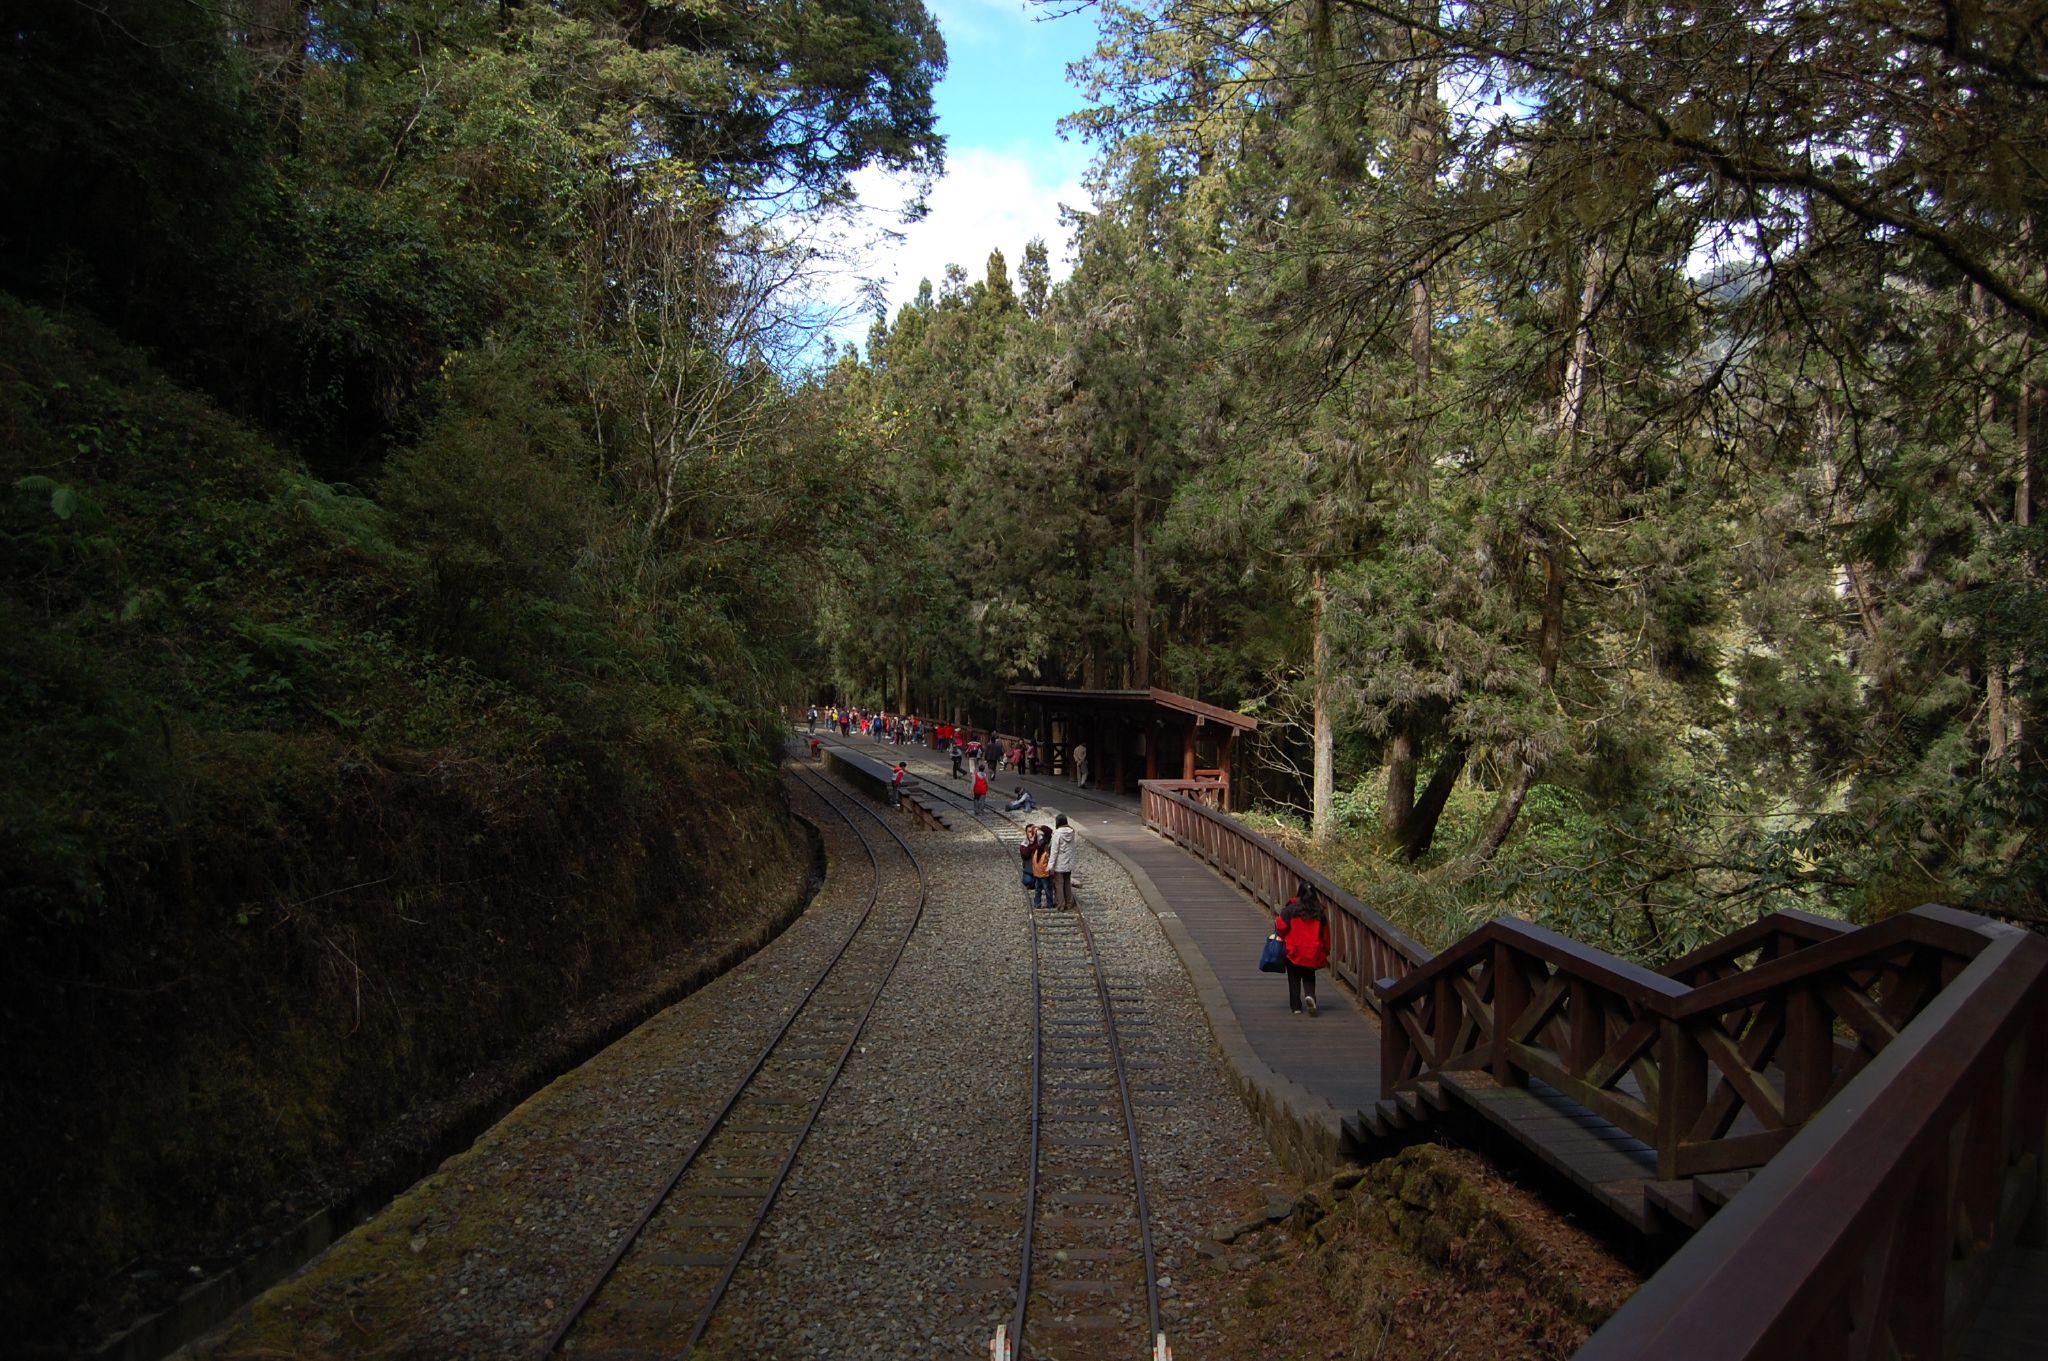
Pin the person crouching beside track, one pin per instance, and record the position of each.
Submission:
(1305, 930)
(1023, 803)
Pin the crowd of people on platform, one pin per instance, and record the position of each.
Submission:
(977, 756)
(1047, 852)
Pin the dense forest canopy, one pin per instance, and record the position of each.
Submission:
(1598, 440)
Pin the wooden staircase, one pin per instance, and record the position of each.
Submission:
(1657, 1094)
(1393, 1122)
(1854, 1123)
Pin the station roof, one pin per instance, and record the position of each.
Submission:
(1134, 701)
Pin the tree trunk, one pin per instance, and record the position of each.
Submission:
(1397, 813)
(2023, 516)
(1423, 155)
(1549, 643)
(1322, 807)
(1141, 585)
(1420, 833)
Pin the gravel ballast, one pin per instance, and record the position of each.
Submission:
(897, 1234)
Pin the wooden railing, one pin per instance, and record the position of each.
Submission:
(1891, 1082)
(1714, 1076)
(1364, 946)
(1876, 1231)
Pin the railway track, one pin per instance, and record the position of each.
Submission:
(659, 1291)
(1087, 1271)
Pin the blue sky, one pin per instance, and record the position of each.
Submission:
(1007, 168)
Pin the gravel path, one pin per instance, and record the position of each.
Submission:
(897, 1233)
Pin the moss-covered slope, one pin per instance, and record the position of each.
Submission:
(272, 868)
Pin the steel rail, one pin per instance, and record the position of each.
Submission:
(1037, 1113)
(740, 1090)
(1141, 1204)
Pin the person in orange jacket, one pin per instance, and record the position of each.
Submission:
(1305, 930)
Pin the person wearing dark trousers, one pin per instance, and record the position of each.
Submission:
(1304, 928)
(896, 785)
(1041, 870)
(1064, 853)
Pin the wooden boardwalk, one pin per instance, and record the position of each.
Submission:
(1335, 1055)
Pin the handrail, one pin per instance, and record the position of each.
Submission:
(1715, 1077)
(1768, 934)
(1542, 943)
(1364, 945)
(1890, 1208)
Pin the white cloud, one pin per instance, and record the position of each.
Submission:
(988, 200)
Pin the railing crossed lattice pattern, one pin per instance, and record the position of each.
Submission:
(1891, 1081)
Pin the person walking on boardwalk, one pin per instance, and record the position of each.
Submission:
(1305, 930)
(980, 788)
(1064, 853)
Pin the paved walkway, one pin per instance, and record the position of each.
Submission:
(1302, 1075)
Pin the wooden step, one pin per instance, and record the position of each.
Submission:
(1605, 1162)
(1680, 1199)
(1718, 1188)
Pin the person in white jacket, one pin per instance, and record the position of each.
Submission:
(1065, 851)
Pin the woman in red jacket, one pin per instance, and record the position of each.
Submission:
(1305, 930)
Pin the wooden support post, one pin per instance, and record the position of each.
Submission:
(1913, 1287)
(1510, 1000)
(2031, 1120)
(1807, 1054)
(1586, 1035)
(1151, 749)
(1223, 760)
(1445, 1013)
(1395, 1051)
(1681, 1092)
(1187, 755)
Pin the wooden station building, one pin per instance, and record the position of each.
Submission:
(1135, 734)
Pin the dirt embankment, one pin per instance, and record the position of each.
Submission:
(1427, 1254)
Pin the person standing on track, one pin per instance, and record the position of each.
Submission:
(1305, 930)
(1025, 849)
(1064, 852)
(1041, 869)
(980, 788)
(958, 757)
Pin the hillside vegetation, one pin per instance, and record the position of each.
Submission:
(395, 507)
